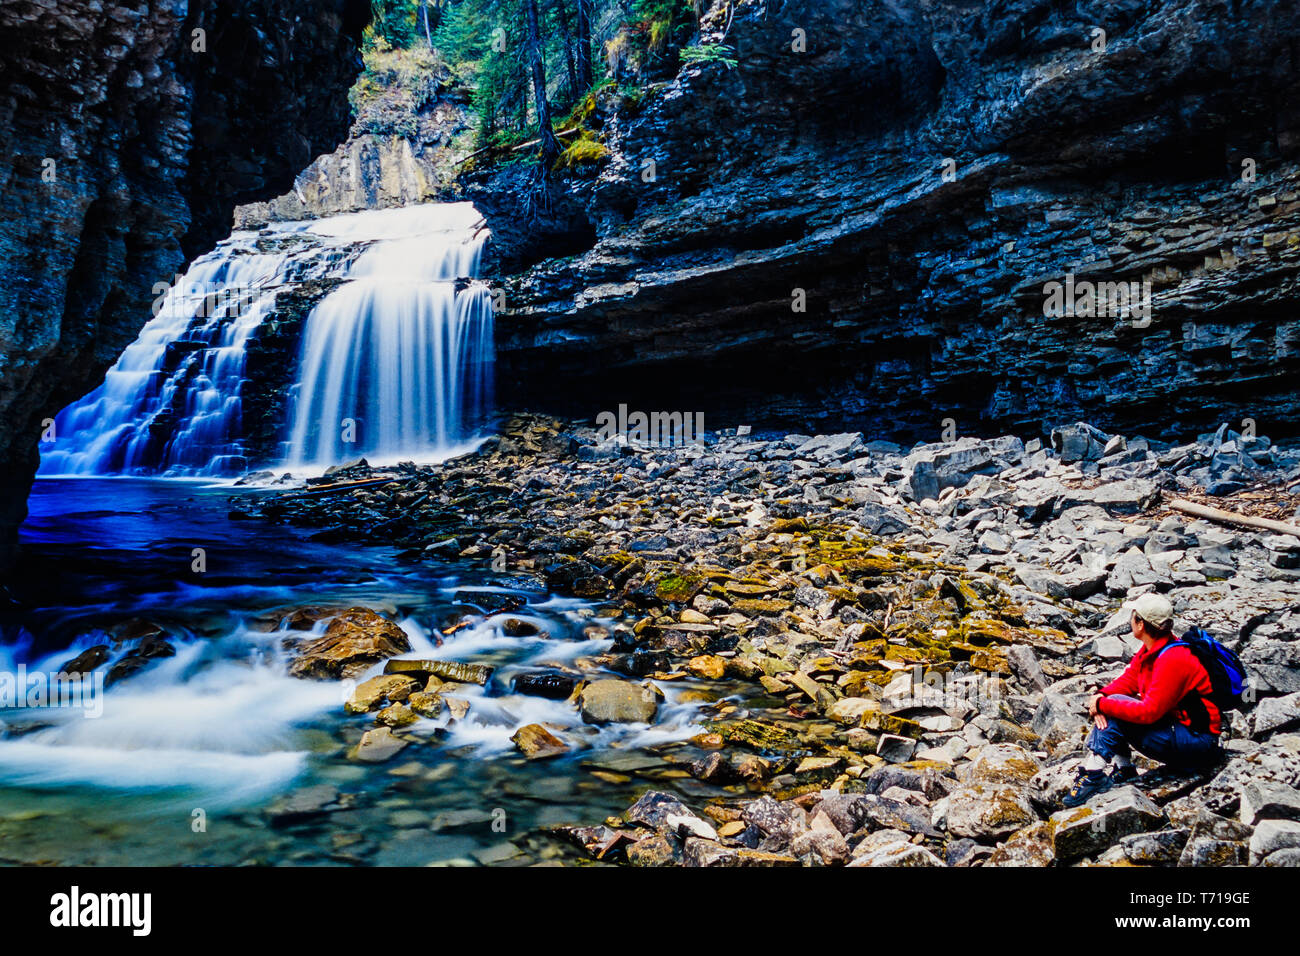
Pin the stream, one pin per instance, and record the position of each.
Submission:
(197, 758)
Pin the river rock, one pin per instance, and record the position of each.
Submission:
(368, 694)
(538, 743)
(551, 685)
(901, 854)
(86, 661)
(354, 641)
(377, 746)
(457, 671)
(615, 701)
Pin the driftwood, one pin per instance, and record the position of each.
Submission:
(1229, 517)
(347, 486)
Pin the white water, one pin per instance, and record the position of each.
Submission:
(393, 363)
(222, 717)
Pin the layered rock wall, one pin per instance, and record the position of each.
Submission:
(1169, 154)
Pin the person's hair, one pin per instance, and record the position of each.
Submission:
(1157, 630)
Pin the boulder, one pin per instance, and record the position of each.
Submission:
(608, 701)
(988, 811)
(353, 642)
(1103, 821)
(1004, 763)
(1030, 846)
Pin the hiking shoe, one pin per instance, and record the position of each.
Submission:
(1123, 775)
(1086, 786)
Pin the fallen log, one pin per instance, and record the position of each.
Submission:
(347, 486)
(1230, 517)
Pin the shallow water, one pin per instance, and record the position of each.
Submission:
(181, 762)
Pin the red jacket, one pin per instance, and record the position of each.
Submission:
(1159, 682)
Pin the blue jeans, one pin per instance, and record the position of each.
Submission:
(1166, 740)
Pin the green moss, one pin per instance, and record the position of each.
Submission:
(679, 588)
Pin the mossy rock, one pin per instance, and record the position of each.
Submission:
(679, 588)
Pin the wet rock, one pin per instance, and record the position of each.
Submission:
(715, 768)
(536, 742)
(150, 649)
(898, 854)
(614, 701)
(552, 686)
(426, 704)
(514, 627)
(396, 715)
(86, 661)
(1103, 821)
(457, 671)
(377, 746)
(354, 641)
(304, 804)
(701, 852)
(655, 850)
(370, 693)
(896, 749)
(707, 666)
(654, 808)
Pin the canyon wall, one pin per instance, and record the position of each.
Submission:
(802, 253)
(128, 134)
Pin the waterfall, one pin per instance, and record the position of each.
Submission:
(398, 361)
(395, 361)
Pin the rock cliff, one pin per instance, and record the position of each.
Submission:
(128, 134)
(410, 132)
(866, 232)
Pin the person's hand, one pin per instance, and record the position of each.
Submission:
(1101, 721)
(1094, 711)
(1092, 705)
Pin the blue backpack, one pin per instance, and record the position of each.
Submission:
(1228, 677)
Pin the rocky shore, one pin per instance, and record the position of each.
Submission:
(896, 644)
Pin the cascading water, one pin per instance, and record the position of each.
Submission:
(396, 361)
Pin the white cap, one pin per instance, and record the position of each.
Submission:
(1153, 608)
